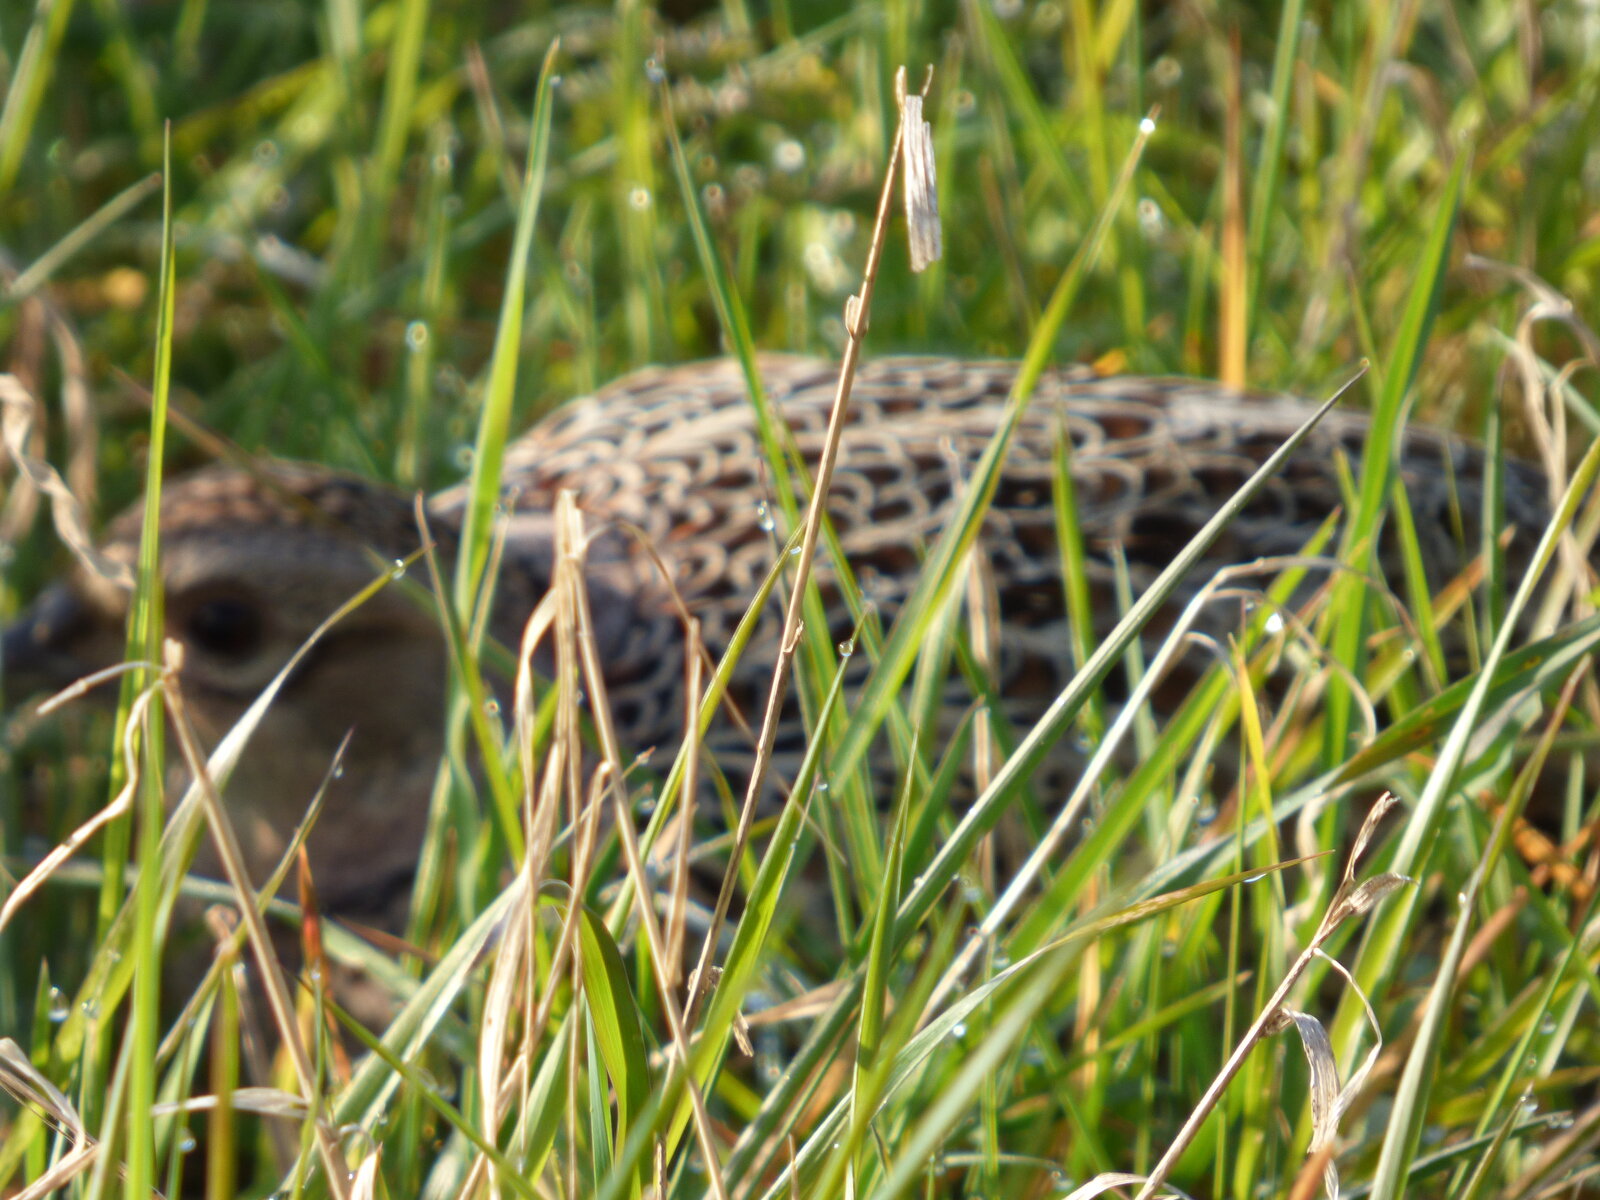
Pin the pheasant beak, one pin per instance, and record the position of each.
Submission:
(50, 644)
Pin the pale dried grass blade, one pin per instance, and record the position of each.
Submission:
(262, 1101)
(1109, 1180)
(28, 1087)
(120, 804)
(1358, 1077)
(921, 181)
(569, 577)
(366, 1178)
(1324, 1090)
(17, 408)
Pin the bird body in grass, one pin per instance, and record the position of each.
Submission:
(667, 465)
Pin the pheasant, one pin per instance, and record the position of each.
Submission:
(667, 466)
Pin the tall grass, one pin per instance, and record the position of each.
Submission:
(399, 233)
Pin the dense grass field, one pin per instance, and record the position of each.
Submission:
(1413, 185)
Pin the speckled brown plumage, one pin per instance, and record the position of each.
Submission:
(670, 456)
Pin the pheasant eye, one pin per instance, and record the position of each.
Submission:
(227, 627)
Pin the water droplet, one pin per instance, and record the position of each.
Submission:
(416, 335)
(794, 551)
(186, 1144)
(847, 647)
(1274, 622)
(822, 785)
(764, 517)
(639, 199)
(491, 708)
(1205, 815)
(958, 1030)
(91, 1009)
(647, 804)
(463, 456)
(1147, 126)
(338, 770)
(397, 569)
(653, 71)
(59, 1008)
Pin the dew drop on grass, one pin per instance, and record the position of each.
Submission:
(958, 1030)
(397, 569)
(491, 708)
(91, 1009)
(653, 71)
(416, 335)
(639, 199)
(764, 517)
(847, 647)
(186, 1144)
(59, 1008)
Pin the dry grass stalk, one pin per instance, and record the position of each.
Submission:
(856, 311)
(33, 1091)
(569, 579)
(1351, 899)
(232, 859)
